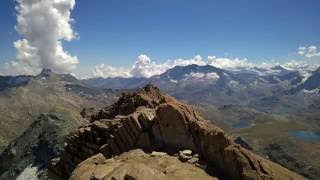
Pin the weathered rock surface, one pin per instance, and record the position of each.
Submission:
(151, 121)
(42, 141)
(136, 164)
(243, 143)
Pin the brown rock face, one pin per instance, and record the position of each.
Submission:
(148, 120)
(136, 164)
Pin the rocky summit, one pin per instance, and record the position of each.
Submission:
(149, 135)
(136, 164)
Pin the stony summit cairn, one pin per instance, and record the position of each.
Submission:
(148, 135)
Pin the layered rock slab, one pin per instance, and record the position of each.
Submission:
(136, 164)
(149, 120)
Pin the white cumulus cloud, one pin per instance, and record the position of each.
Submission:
(185, 62)
(226, 63)
(43, 24)
(309, 51)
(144, 67)
(109, 71)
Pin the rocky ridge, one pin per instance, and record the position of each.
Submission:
(24, 98)
(42, 141)
(151, 121)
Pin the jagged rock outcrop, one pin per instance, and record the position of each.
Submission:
(42, 141)
(152, 121)
(243, 143)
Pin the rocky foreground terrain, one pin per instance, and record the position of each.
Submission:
(149, 135)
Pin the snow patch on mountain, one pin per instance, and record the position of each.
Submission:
(313, 91)
(197, 75)
(174, 81)
(29, 173)
(212, 76)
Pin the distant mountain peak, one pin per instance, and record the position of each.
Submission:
(317, 71)
(46, 72)
(180, 72)
(279, 67)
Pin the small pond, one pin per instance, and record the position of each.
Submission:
(307, 136)
(241, 124)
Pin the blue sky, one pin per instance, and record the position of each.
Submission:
(115, 32)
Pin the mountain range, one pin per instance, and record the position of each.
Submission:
(24, 98)
(214, 86)
(274, 111)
